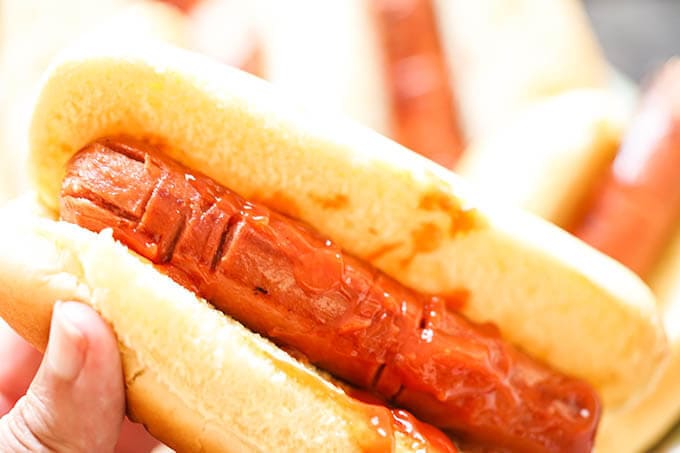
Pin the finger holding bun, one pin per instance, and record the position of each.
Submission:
(198, 379)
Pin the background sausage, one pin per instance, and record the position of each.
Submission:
(424, 116)
(634, 212)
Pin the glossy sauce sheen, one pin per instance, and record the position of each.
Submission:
(376, 433)
(422, 437)
(285, 281)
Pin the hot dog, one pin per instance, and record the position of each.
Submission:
(409, 218)
(287, 283)
(423, 113)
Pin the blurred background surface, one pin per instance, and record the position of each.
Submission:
(637, 35)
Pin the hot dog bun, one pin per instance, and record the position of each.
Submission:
(549, 293)
(549, 157)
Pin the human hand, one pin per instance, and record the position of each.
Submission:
(76, 400)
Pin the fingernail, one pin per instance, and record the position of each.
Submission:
(66, 347)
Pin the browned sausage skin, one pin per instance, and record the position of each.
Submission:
(285, 281)
(637, 206)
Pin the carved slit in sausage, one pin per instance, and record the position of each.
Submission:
(221, 244)
(376, 376)
(394, 398)
(174, 238)
(102, 204)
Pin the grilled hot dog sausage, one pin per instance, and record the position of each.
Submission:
(285, 281)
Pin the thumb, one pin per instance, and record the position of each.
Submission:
(76, 401)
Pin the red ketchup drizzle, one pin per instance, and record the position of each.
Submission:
(282, 279)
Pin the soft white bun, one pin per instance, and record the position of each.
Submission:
(552, 295)
(198, 380)
(506, 53)
(639, 427)
(549, 157)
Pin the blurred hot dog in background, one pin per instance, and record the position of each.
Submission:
(515, 95)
